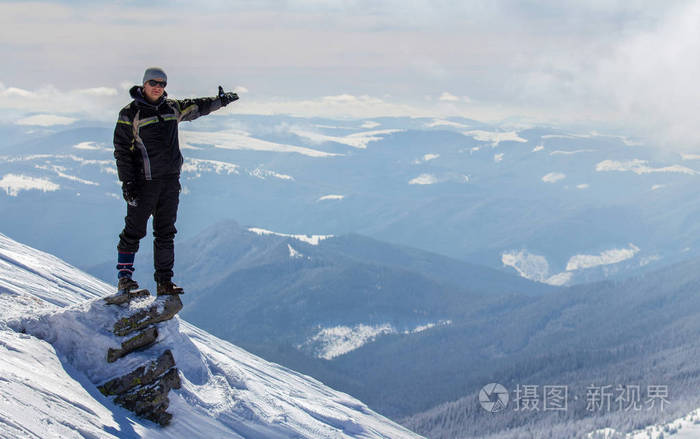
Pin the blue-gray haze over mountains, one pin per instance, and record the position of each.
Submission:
(563, 207)
(418, 299)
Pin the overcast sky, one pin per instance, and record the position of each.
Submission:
(631, 65)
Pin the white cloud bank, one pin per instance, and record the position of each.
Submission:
(640, 167)
(46, 120)
(13, 184)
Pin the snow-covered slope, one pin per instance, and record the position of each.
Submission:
(49, 371)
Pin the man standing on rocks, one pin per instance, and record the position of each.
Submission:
(149, 160)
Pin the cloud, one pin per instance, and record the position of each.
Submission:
(553, 177)
(426, 158)
(445, 96)
(98, 103)
(13, 184)
(640, 167)
(498, 157)
(578, 151)
(46, 120)
(331, 197)
(99, 91)
(90, 146)
(424, 179)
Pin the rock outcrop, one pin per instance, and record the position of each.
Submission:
(144, 390)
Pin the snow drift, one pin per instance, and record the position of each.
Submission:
(52, 345)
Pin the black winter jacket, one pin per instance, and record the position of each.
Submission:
(146, 143)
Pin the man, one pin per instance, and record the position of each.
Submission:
(149, 160)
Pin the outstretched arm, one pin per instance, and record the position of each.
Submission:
(190, 109)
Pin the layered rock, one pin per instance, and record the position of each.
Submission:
(144, 390)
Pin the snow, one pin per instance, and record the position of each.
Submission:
(448, 123)
(13, 184)
(49, 373)
(60, 171)
(198, 166)
(309, 239)
(685, 427)
(264, 173)
(356, 140)
(240, 140)
(534, 267)
(333, 342)
(293, 254)
(640, 167)
(495, 137)
(606, 257)
(553, 177)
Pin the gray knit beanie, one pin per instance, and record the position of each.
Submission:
(154, 73)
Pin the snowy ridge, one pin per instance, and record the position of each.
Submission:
(330, 343)
(48, 375)
(309, 239)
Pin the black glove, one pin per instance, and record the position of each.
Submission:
(130, 190)
(226, 97)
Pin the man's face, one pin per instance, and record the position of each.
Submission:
(153, 92)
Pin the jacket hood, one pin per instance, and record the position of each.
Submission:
(136, 93)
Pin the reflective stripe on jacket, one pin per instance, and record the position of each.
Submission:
(146, 144)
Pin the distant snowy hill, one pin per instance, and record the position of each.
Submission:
(550, 205)
(48, 388)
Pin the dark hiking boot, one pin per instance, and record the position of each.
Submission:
(127, 284)
(168, 288)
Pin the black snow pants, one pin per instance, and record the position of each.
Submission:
(159, 198)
